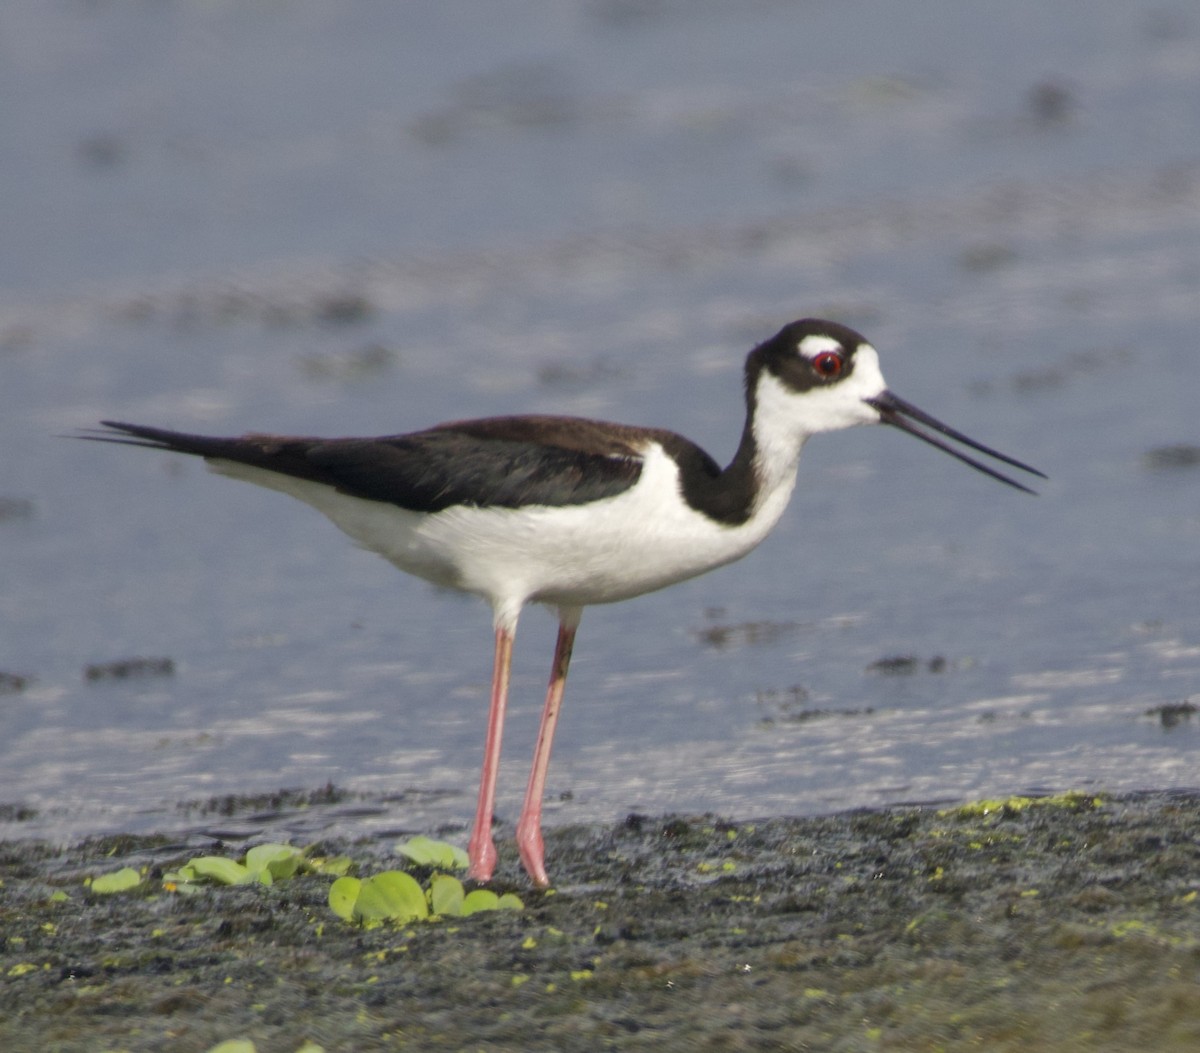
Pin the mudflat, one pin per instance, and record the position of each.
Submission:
(1059, 923)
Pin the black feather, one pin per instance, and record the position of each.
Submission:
(504, 462)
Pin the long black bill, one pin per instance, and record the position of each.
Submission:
(900, 414)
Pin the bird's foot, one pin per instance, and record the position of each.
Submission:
(482, 856)
(532, 850)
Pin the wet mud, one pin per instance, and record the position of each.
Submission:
(1061, 923)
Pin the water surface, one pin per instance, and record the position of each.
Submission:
(362, 218)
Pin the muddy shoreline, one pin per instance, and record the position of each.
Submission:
(1069, 922)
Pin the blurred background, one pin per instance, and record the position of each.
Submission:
(334, 218)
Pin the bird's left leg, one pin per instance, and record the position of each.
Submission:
(529, 826)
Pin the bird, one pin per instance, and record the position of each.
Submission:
(569, 512)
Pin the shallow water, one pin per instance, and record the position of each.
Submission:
(214, 224)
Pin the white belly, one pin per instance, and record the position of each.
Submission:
(609, 550)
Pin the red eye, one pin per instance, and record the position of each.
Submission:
(828, 364)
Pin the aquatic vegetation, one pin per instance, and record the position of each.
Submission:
(392, 895)
(117, 881)
(265, 864)
(398, 897)
(244, 1045)
(425, 852)
(1072, 800)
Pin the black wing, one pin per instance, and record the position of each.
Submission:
(504, 462)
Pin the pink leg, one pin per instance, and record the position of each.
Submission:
(481, 851)
(529, 827)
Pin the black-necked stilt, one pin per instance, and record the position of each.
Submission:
(570, 512)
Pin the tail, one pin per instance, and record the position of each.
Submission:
(281, 455)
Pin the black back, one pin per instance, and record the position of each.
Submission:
(504, 462)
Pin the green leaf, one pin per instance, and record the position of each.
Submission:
(281, 861)
(219, 869)
(343, 894)
(392, 895)
(510, 901)
(446, 895)
(118, 881)
(234, 1045)
(480, 899)
(336, 865)
(426, 852)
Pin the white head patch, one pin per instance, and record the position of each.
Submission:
(815, 344)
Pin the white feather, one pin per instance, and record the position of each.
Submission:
(569, 556)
